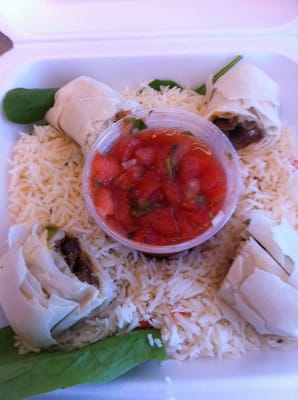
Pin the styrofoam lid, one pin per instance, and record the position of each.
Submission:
(56, 19)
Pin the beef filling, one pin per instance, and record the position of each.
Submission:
(78, 261)
(240, 134)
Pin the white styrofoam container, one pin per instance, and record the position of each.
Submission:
(126, 42)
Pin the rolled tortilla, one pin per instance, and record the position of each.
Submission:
(40, 296)
(258, 285)
(279, 240)
(248, 94)
(84, 108)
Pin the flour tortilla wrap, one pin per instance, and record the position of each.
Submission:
(279, 240)
(84, 108)
(258, 286)
(40, 296)
(248, 93)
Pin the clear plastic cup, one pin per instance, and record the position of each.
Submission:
(207, 133)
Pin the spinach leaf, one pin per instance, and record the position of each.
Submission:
(158, 83)
(26, 375)
(25, 106)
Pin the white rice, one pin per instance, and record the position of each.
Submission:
(178, 294)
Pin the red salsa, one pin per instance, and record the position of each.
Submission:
(159, 186)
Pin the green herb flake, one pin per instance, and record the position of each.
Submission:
(187, 133)
(169, 168)
(134, 205)
(247, 221)
(137, 123)
(157, 84)
(97, 183)
(175, 170)
(173, 148)
(138, 211)
(131, 234)
(201, 198)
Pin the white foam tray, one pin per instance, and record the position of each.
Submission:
(42, 58)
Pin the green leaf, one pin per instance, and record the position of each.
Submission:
(187, 133)
(137, 123)
(169, 168)
(201, 198)
(156, 84)
(173, 148)
(25, 106)
(26, 375)
(202, 89)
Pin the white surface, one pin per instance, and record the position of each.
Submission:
(187, 54)
(38, 19)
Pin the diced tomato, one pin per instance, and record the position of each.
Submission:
(129, 177)
(147, 186)
(144, 324)
(193, 164)
(124, 148)
(199, 217)
(189, 167)
(215, 197)
(145, 155)
(209, 178)
(161, 220)
(103, 201)
(172, 191)
(144, 235)
(105, 168)
(117, 225)
(191, 188)
(121, 204)
(186, 228)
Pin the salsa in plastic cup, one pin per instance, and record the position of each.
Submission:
(161, 181)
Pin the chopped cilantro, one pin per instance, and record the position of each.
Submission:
(137, 123)
(97, 183)
(187, 133)
(201, 198)
(169, 168)
(138, 210)
(131, 234)
(173, 148)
